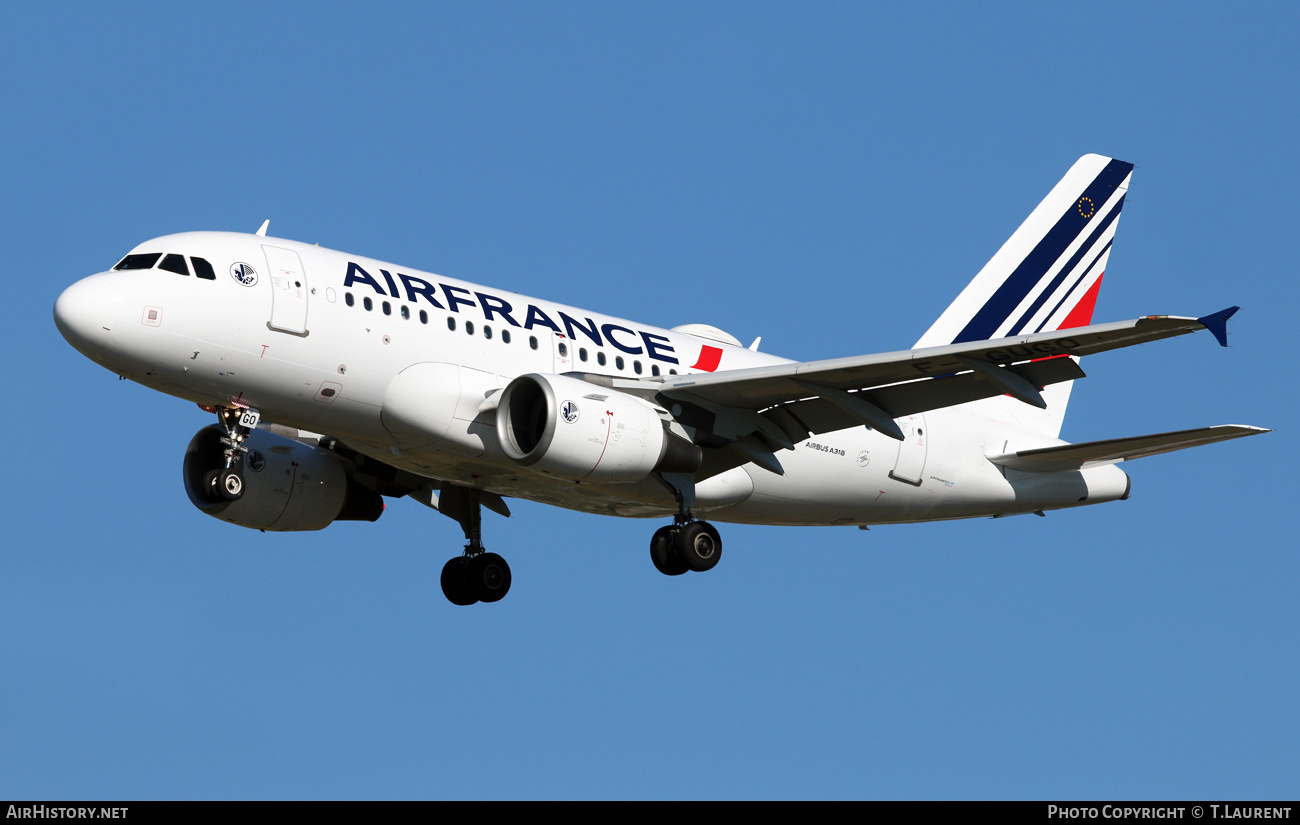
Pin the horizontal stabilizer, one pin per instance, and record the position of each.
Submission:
(1113, 450)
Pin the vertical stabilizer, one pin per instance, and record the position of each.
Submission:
(1045, 277)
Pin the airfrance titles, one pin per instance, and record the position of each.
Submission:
(491, 307)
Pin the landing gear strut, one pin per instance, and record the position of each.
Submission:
(226, 483)
(687, 544)
(475, 576)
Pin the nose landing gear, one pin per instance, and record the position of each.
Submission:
(227, 483)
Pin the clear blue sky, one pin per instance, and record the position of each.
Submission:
(827, 176)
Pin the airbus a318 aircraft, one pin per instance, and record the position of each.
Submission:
(338, 379)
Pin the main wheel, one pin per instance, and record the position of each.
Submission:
(489, 576)
(663, 555)
(456, 582)
(699, 545)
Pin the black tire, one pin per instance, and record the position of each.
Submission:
(456, 582)
(490, 577)
(663, 555)
(230, 485)
(699, 546)
(212, 486)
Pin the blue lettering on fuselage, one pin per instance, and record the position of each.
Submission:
(653, 346)
(490, 306)
(608, 329)
(589, 330)
(537, 318)
(357, 275)
(495, 306)
(418, 286)
(453, 299)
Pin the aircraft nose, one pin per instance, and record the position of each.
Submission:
(86, 313)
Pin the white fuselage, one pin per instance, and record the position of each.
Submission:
(318, 337)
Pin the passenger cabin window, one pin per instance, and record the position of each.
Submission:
(144, 260)
(348, 299)
(175, 263)
(505, 336)
(203, 269)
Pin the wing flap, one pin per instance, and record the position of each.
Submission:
(1113, 450)
(820, 415)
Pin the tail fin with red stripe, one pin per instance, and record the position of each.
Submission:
(1046, 276)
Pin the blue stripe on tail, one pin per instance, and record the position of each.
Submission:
(1084, 249)
(1053, 245)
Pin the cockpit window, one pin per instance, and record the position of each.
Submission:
(203, 269)
(144, 260)
(175, 263)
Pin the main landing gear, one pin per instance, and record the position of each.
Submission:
(685, 545)
(475, 576)
(482, 578)
(226, 483)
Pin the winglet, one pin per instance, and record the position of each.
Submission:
(265, 224)
(1217, 324)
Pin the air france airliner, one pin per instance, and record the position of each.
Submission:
(337, 380)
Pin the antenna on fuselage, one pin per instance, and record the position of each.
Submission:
(261, 233)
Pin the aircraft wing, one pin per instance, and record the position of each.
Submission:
(1114, 450)
(762, 387)
(756, 411)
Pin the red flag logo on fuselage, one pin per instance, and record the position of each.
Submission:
(709, 359)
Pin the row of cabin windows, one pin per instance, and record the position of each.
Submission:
(619, 364)
(368, 303)
(170, 263)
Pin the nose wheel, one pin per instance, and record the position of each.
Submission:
(224, 485)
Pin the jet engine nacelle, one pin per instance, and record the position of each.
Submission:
(575, 430)
(288, 485)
